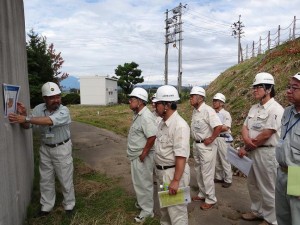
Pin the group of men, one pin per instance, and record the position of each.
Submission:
(160, 140)
(164, 145)
(271, 138)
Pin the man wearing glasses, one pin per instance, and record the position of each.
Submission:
(288, 154)
(172, 150)
(140, 149)
(260, 132)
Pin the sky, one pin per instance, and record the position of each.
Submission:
(95, 36)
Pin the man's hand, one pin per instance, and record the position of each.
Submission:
(21, 109)
(242, 152)
(173, 187)
(16, 118)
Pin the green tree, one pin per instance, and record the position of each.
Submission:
(43, 65)
(128, 75)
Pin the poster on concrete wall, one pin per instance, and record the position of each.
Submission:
(10, 97)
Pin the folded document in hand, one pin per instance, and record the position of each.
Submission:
(183, 196)
(243, 164)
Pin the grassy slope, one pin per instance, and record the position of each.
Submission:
(99, 201)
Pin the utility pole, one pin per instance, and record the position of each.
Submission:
(174, 23)
(166, 49)
(237, 32)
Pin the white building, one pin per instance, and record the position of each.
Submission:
(98, 90)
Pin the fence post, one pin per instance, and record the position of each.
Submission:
(278, 43)
(253, 49)
(269, 40)
(247, 51)
(259, 46)
(294, 28)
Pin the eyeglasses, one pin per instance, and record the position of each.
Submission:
(292, 88)
(255, 87)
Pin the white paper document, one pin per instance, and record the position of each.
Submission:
(183, 196)
(243, 164)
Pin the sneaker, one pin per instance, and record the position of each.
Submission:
(226, 185)
(206, 206)
(137, 205)
(141, 219)
(69, 211)
(218, 181)
(250, 216)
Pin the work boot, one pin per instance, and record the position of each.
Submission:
(226, 185)
(250, 216)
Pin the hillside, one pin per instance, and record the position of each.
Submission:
(235, 83)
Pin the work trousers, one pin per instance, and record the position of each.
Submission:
(57, 161)
(287, 206)
(177, 214)
(205, 162)
(261, 183)
(142, 179)
(223, 166)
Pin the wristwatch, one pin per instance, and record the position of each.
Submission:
(27, 119)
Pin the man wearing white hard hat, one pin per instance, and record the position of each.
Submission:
(53, 120)
(288, 155)
(260, 132)
(158, 118)
(140, 148)
(205, 128)
(223, 167)
(172, 150)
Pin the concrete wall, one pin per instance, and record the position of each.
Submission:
(16, 155)
(98, 90)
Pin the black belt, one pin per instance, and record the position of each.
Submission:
(164, 167)
(224, 135)
(58, 144)
(202, 141)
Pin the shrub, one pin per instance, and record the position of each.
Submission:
(71, 99)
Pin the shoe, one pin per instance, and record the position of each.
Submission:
(206, 206)
(141, 219)
(69, 211)
(42, 213)
(218, 181)
(265, 223)
(136, 204)
(226, 185)
(198, 199)
(250, 216)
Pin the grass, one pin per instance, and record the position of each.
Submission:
(99, 199)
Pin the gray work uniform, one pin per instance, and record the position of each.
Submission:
(173, 139)
(55, 157)
(287, 154)
(262, 175)
(223, 166)
(143, 127)
(204, 120)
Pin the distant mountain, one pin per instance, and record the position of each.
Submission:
(70, 82)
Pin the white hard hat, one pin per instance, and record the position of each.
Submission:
(198, 91)
(140, 93)
(166, 93)
(263, 78)
(297, 76)
(50, 89)
(219, 96)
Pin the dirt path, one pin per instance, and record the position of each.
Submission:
(105, 152)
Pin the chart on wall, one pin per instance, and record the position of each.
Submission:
(10, 97)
